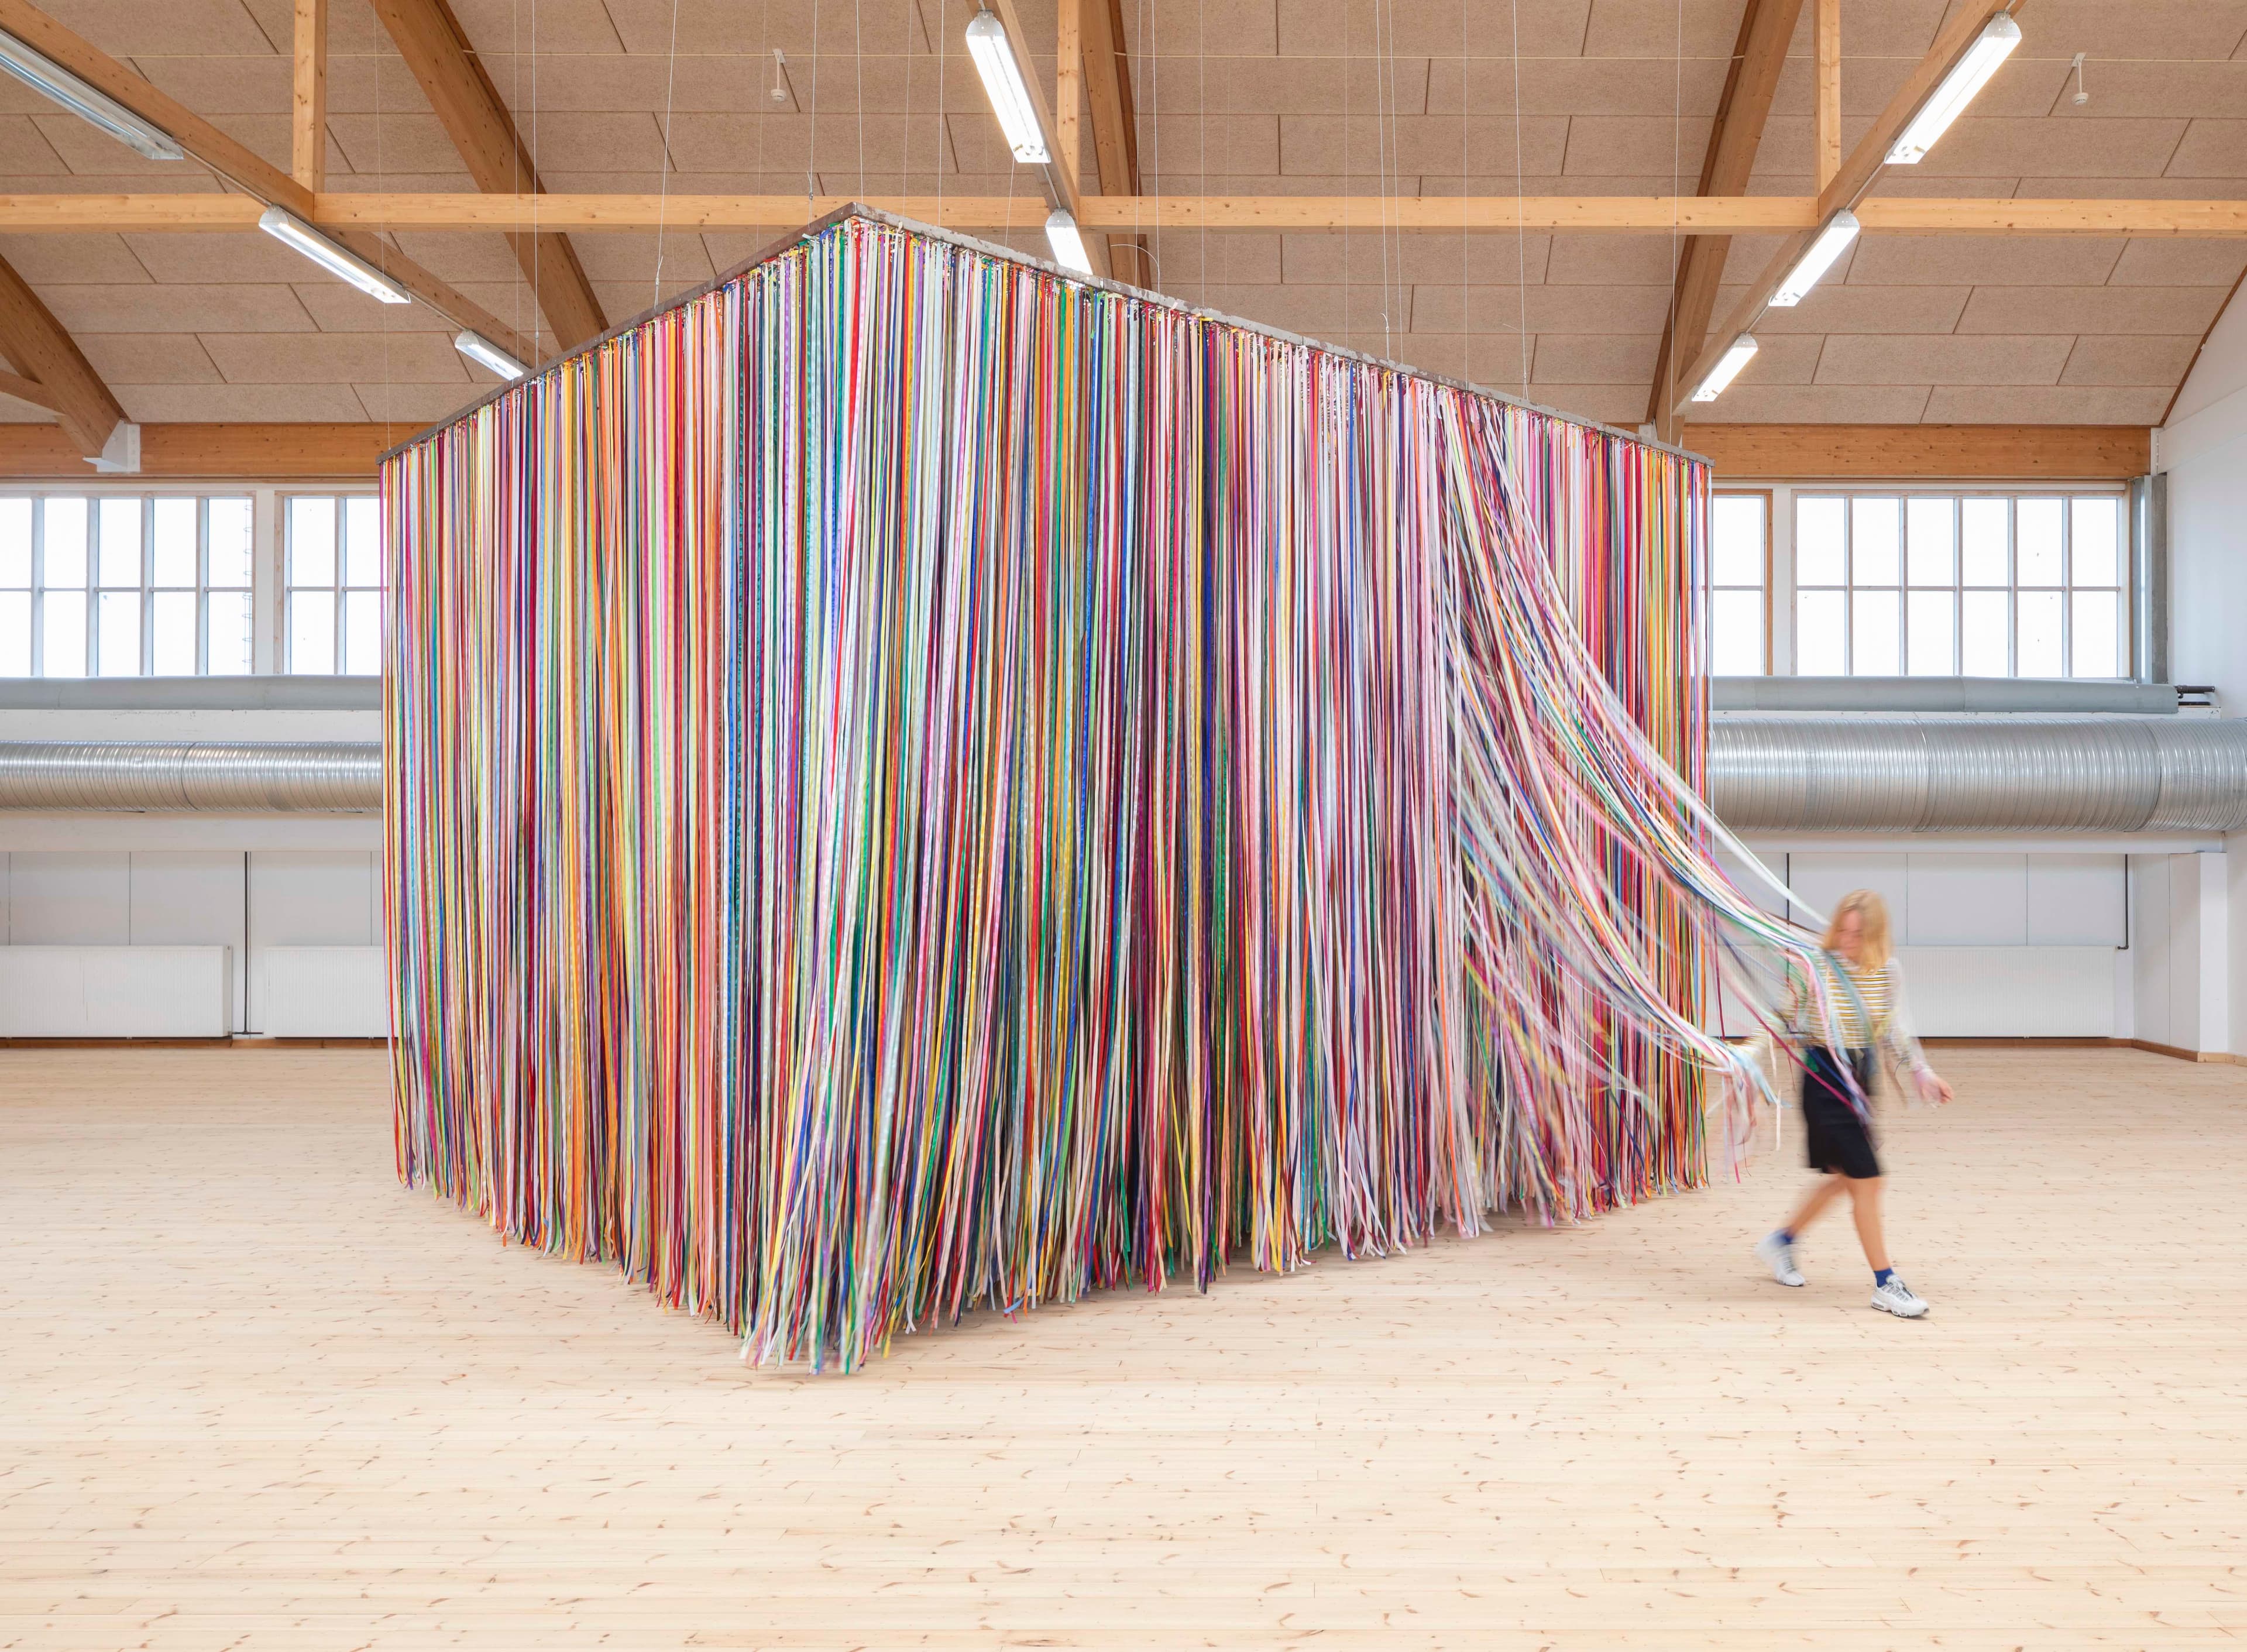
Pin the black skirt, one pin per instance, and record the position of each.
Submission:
(1839, 1141)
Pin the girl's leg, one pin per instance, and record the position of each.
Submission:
(1864, 1194)
(1828, 1189)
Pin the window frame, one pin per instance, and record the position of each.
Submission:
(339, 588)
(147, 495)
(1787, 586)
(1710, 587)
(267, 589)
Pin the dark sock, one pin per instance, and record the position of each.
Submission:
(1786, 1236)
(1881, 1276)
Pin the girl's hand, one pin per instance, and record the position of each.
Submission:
(1932, 1089)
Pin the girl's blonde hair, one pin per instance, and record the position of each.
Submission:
(1873, 914)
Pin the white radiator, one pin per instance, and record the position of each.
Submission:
(116, 992)
(319, 992)
(2013, 992)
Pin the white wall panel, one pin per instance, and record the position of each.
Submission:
(2150, 940)
(1820, 880)
(2077, 900)
(70, 898)
(115, 992)
(1967, 900)
(1753, 886)
(193, 898)
(186, 897)
(313, 898)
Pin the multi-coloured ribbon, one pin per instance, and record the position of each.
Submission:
(919, 783)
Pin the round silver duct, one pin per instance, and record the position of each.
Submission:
(1860, 774)
(1978, 774)
(240, 778)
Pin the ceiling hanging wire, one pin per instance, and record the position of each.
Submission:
(1676, 151)
(663, 159)
(942, 111)
(1381, 179)
(1401, 293)
(1520, 225)
(1154, 111)
(537, 302)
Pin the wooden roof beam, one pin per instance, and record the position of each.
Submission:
(1061, 174)
(308, 111)
(51, 371)
(339, 215)
(1115, 125)
(430, 38)
(244, 168)
(1847, 186)
(1767, 26)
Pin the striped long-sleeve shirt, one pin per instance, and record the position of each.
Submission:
(1864, 1008)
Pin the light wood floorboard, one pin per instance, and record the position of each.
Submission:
(255, 1395)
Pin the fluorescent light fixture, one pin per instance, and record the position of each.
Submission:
(485, 354)
(1810, 268)
(1068, 245)
(51, 80)
(330, 258)
(1726, 370)
(1972, 72)
(1003, 84)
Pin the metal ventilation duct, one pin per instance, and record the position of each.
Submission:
(1766, 774)
(240, 778)
(1978, 774)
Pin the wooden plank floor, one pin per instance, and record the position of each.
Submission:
(254, 1395)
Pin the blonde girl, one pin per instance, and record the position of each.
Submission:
(1863, 1010)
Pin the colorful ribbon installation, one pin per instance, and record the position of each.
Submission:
(918, 782)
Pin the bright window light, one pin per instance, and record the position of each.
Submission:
(1068, 245)
(1972, 72)
(1810, 268)
(1727, 369)
(485, 354)
(330, 258)
(51, 80)
(1003, 84)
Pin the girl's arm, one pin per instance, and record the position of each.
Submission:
(1902, 1041)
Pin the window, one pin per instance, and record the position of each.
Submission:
(124, 585)
(1738, 574)
(334, 562)
(1975, 585)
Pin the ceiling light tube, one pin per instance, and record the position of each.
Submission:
(1810, 268)
(1726, 370)
(51, 80)
(485, 354)
(335, 260)
(1068, 245)
(1967, 76)
(1003, 84)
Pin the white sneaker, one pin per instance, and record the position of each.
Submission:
(1778, 1255)
(1895, 1297)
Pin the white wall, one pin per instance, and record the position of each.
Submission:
(296, 894)
(2203, 449)
(247, 901)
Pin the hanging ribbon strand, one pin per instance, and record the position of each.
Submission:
(920, 784)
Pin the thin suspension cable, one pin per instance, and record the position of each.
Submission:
(663, 160)
(1520, 226)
